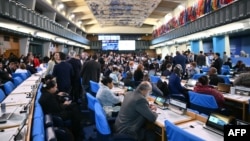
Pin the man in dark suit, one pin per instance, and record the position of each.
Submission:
(91, 71)
(63, 71)
(180, 59)
(134, 112)
(217, 62)
(76, 64)
(201, 59)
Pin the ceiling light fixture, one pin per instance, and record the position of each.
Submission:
(72, 16)
(80, 22)
(60, 6)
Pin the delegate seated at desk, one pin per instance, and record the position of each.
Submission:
(214, 79)
(134, 112)
(51, 105)
(203, 88)
(105, 95)
(174, 84)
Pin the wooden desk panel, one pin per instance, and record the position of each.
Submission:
(239, 99)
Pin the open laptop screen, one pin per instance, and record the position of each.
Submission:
(217, 121)
(160, 101)
(191, 82)
(222, 87)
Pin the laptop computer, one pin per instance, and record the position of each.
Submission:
(216, 122)
(224, 88)
(191, 83)
(177, 106)
(6, 116)
(161, 102)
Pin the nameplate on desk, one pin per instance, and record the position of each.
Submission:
(178, 103)
(177, 106)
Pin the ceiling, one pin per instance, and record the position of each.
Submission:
(120, 16)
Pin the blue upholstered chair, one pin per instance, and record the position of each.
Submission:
(154, 79)
(175, 133)
(94, 87)
(24, 76)
(103, 128)
(202, 102)
(38, 127)
(226, 67)
(197, 76)
(205, 70)
(17, 80)
(8, 87)
(2, 95)
(91, 101)
(226, 79)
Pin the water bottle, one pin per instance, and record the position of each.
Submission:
(3, 107)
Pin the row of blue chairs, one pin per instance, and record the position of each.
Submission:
(38, 132)
(225, 69)
(9, 86)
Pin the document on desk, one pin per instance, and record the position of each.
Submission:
(118, 90)
(196, 126)
(171, 116)
(21, 90)
(16, 99)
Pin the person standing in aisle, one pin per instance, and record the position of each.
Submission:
(217, 62)
(63, 71)
(76, 85)
(201, 59)
(91, 71)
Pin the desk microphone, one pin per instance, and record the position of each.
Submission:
(25, 108)
(29, 95)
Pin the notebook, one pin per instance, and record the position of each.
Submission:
(224, 88)
(191, 83)
(161, 102)
(216, 122)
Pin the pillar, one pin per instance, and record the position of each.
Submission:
(221, 44)
(24, 46)
(47, 46)
(196, 46)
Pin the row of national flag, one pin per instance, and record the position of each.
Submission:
(198, 9)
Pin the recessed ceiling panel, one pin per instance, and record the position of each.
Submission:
(122, 12)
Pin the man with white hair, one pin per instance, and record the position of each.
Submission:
(76, 64)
